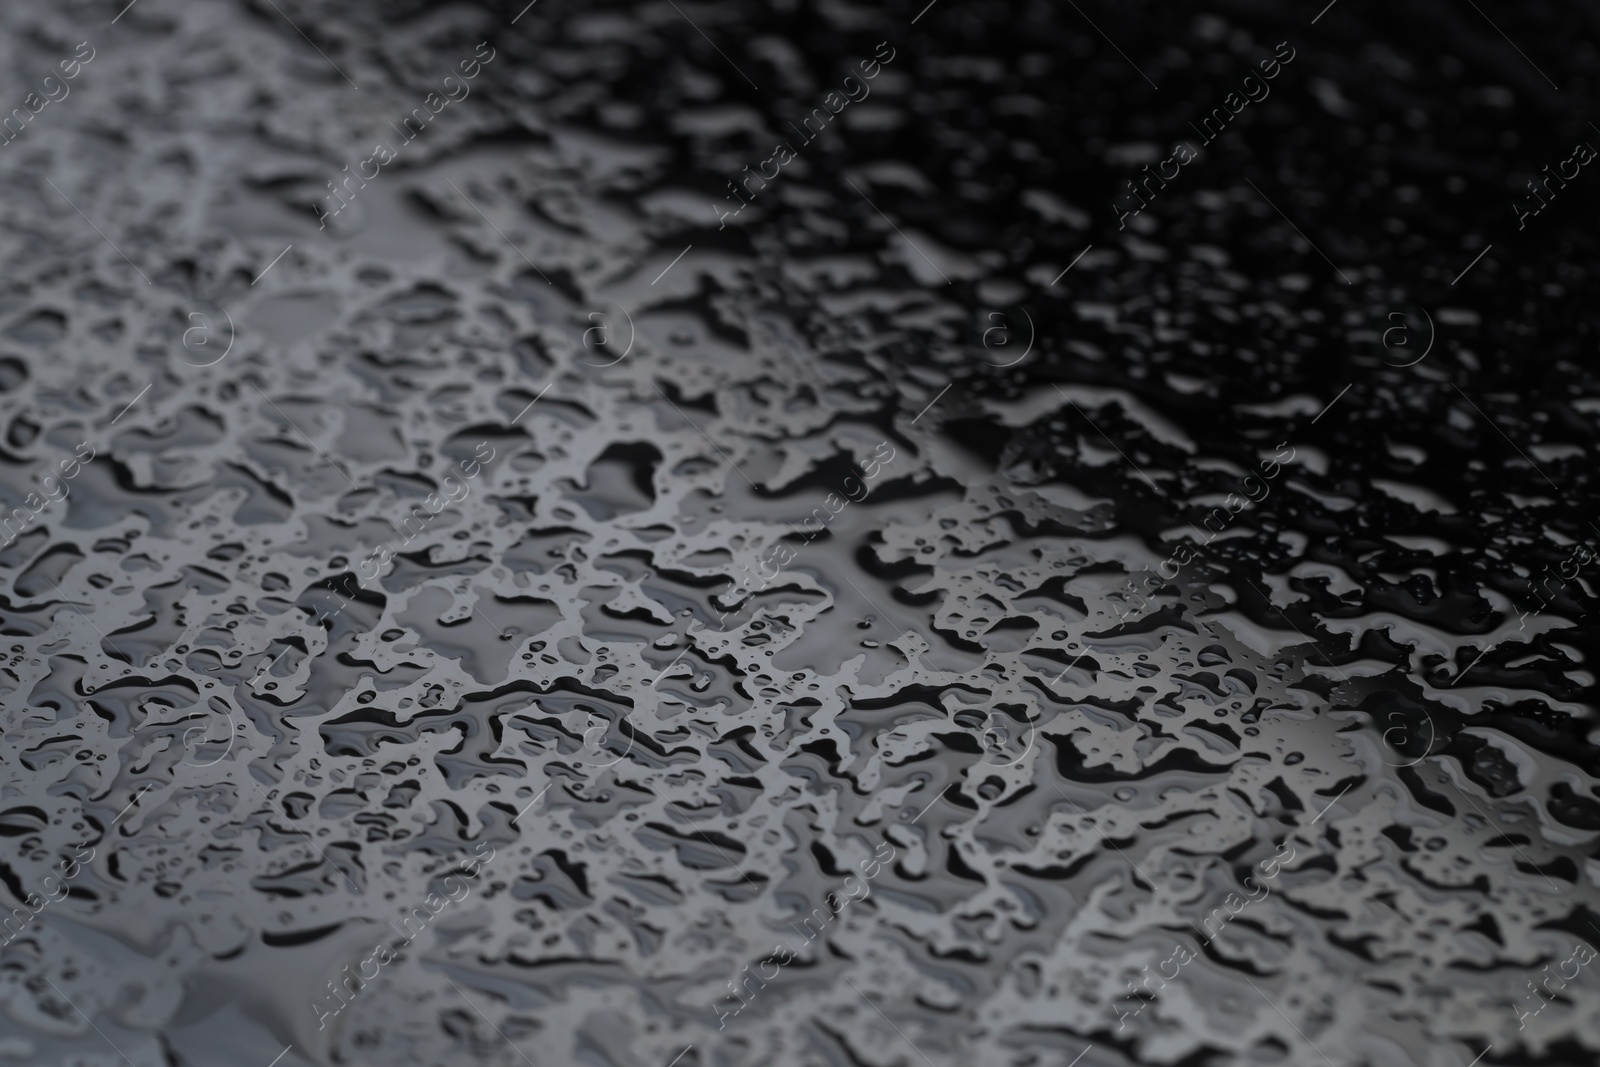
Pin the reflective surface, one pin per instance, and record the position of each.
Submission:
(528, 591)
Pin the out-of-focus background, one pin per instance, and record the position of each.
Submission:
(694, 534)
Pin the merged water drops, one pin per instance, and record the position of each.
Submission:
(525, 620)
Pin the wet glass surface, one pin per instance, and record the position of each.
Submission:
(714, 535)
